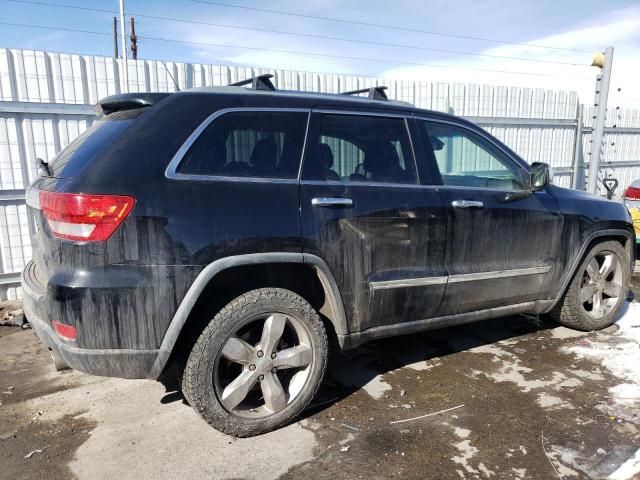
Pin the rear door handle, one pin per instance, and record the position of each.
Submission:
(331, 202)
(467, 204)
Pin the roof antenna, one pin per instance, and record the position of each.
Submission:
(175, 84)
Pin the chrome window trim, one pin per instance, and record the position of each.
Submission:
(361, 113)
(517, 272)
(485, 189)
(406, 117)
(349, 183)
(407, 283)
(172, 173)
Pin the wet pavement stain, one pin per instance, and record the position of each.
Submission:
(52, 445)
(531, 405)
(26, 373)
(517, 386)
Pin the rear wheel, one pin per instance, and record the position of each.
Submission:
(598, 289)
(258, 363)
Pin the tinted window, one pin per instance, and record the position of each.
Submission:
(75, 156)
(360, 149)
(466, 159)
(249, 144)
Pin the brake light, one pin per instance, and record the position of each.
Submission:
(84, 217)
(64, 331)
(632, 193)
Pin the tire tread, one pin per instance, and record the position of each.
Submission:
(568, 310)
(192, 385)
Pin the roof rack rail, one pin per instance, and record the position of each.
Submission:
(261, 82)
(376, 93)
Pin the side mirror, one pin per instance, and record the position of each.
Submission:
(541, 175)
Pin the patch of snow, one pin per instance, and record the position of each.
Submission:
(467, 452)
(566, 456)
(626, 393)
(564, 332)
(588, 375)
(377, 387)
(628, 469)
(425, 364)
(552, 402)
(484, 470)
(619, 353)
(512, 370)
(461, 432)
(519, 473)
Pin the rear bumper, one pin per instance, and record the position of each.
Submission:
(124, 363)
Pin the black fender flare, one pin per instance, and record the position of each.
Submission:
(570, 272)
(181, 315)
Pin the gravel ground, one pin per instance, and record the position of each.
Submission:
(514, 398)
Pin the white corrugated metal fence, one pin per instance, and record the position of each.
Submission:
(46, 101)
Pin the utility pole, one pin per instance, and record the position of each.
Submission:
(115, 37)
(123, 37)
(134, 40)
(604, 61)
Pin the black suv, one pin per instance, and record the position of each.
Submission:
(232, 232)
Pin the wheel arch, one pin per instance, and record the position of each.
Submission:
(332, 309)
(623, 236)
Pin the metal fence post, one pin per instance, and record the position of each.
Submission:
(577, 179)
(602, 94)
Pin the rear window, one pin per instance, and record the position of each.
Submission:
(262, 144)
(72, 159)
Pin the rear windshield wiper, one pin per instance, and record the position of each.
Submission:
(43, 168)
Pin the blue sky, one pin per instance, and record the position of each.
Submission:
(585, 25)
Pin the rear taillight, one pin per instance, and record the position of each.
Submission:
(632, 193)
(64, 331)
(84, 217)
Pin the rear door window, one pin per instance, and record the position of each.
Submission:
(262, 144)
(361, 148)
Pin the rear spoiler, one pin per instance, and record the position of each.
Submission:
(128, 101)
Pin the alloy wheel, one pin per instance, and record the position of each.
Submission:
(601, 285)
(264, 366)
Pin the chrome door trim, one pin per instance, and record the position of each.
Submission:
(171, 170)
(463, 277)
(517, 272)
(407, 283)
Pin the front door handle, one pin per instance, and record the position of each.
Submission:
(331, 202)
(467, 204)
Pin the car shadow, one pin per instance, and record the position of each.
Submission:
(352, 370)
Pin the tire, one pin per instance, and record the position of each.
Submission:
(571, 311)
(226, 358)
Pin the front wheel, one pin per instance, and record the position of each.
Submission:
(258, 363)
(597, 291)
